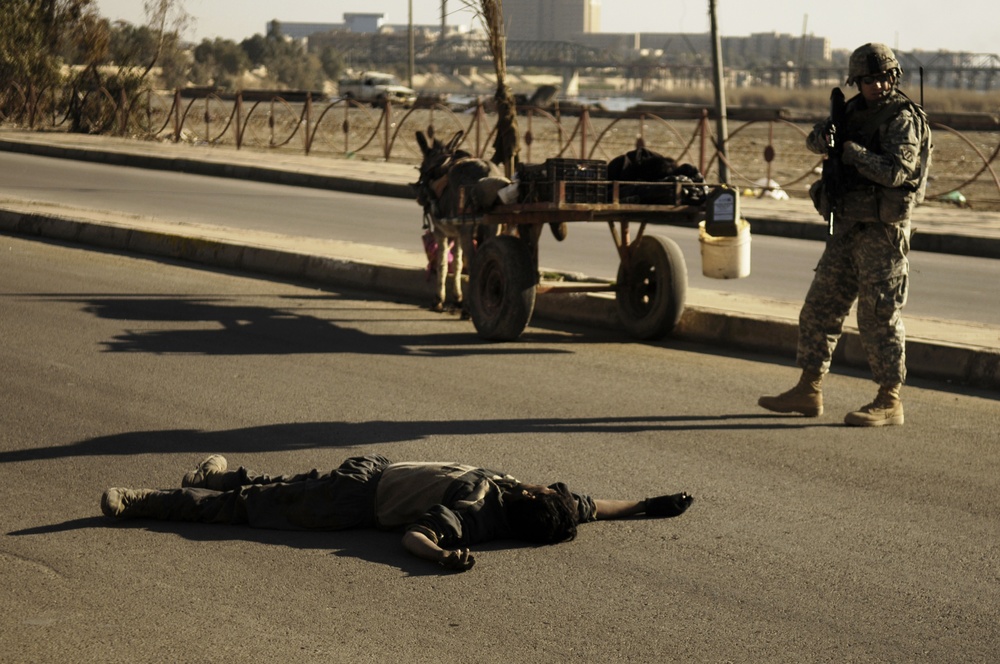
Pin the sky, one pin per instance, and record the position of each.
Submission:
(968, 25)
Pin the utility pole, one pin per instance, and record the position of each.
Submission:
(803, 81)
(720, 96)
(409, 49)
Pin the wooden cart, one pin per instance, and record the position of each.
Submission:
(652, 276)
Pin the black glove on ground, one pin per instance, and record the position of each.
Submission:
(667, 506)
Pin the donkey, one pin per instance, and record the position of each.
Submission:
(444, 172)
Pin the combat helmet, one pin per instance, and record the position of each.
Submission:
(872, 59)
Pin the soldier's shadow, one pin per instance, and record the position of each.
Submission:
(334, 435)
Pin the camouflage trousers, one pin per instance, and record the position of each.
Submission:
(867, 263)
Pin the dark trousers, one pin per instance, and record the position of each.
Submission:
(343, 498)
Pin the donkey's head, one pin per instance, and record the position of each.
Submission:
(446, 174)
(438, 159)
(439, 156)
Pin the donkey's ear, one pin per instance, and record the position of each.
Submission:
(455, 140)
(422, 142)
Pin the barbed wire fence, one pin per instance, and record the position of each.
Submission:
(765, 150)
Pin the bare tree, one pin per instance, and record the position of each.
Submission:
(167, 19)
(505, 145)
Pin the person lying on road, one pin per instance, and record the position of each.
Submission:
(443, 508)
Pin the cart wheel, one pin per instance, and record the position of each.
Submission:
(501, 288)
(650, 295)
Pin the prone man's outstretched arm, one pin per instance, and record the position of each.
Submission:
(659, 507)
(422, 546)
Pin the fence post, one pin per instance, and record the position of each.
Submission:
(270, 125)
(177, 115)
(32, 93)
(769, 150)
(308, 120)
(387, 114)
(346, 127)
(208, 121)
(703, 126)
(584, 124)
(240, 126)
(123, 114)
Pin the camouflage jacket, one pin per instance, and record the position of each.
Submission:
(887, 154)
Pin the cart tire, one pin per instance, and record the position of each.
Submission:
(502, 288)
(651, 295)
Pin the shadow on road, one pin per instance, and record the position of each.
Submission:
(327, 435)
(309, 325)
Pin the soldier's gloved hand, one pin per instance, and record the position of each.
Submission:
(820, 137)
(458, 560)
(667, 506)
(829, 133)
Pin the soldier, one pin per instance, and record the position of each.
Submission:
(886, 144)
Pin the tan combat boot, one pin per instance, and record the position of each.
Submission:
(208, 474)
(117, 502)
(886, 410)
(806, 397)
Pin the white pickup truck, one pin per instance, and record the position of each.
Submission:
(375, 88)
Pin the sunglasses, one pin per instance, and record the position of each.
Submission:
(881, 78)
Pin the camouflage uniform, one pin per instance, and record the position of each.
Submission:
(865, 259)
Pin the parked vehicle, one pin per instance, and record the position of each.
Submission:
(376, 88)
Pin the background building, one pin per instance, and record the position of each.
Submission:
(551, 20)
(566, 35)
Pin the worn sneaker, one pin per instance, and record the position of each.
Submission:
(116, 501)
(201, 477)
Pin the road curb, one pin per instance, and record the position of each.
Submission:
(758, 334)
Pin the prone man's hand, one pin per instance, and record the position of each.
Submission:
(457, 560)
(668, 506)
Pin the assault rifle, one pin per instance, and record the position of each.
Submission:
(833, 165)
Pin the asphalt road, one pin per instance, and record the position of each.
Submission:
(943, 286)
(808, 541)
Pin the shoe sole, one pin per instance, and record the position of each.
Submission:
(808, 412)
(107, 508)
(888, 422)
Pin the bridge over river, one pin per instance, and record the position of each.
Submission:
(979, 71)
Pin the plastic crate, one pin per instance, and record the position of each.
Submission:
(582, 191)
(584, 181)
(576, 169)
